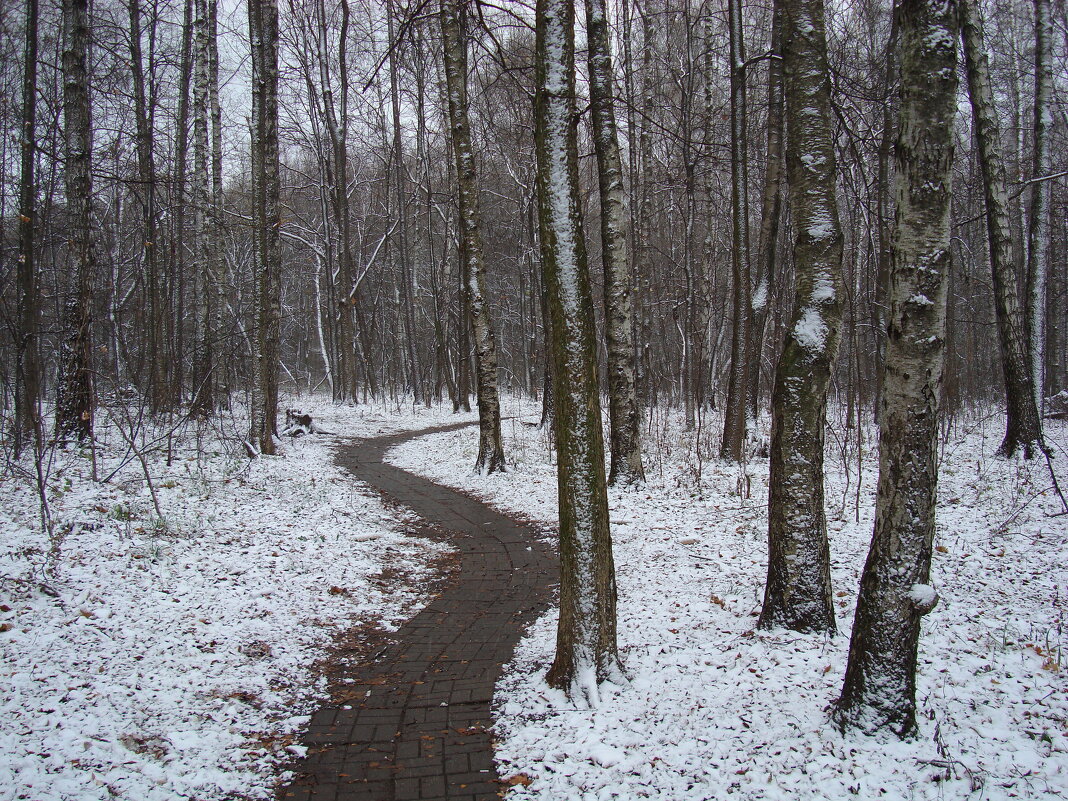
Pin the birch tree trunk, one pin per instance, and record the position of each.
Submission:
(74, 404)
(490, 446)
(880, 682)
(28, 364)
(798, 590)
(266, 220)
(1038, 227)
(1023, 428)
(203, 402)
(770, 212)
(626, 455)
(146, 170)
(732, 444)
(586, 636)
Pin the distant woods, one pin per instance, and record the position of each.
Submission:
(133, 205)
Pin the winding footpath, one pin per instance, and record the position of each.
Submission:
(417, 726)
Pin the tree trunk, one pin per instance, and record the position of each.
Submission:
(770, 213)
(74, 404)
(203, 401)
(1038, 227)
(490, 445)
(1023, 427)
(732, 445)
(586, 637)
(266, 220)
(626, 455)
(880, 682)
(28, 363)
(798, 591)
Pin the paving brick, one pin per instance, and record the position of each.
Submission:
(421, 732)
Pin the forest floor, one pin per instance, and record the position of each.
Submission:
(176, 654)
(715, 709)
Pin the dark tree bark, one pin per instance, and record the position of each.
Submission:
(880, 683)
(146, 172)
(28, 363)
(732, 445)
(74, 404)
(490, 446)
(266, 221)
(798, 591)
(1023, 426)
(626, 456)
(586, 637)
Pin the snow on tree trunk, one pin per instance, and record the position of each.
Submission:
(798, 590)
(1038, 228)
(74, 402)
(1023, 428)
(203, 397)
(880, 682)
(490, 446)
(586, 637)
(624, 423)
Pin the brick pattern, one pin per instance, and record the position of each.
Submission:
(421, 728)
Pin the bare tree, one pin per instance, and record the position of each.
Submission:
(880, 682)
(266, 221)
(1023, 426)
(586, 637)
(28, 365)
(74, 404)
(626, 455)
(798, 591)
(490, 447)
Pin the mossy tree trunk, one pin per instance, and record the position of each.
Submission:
(586, 637)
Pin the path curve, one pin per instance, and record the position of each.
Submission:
(422, 729)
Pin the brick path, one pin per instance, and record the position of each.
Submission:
(421, 731)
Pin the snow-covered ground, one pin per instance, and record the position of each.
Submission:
(175, 657)
(715, 709)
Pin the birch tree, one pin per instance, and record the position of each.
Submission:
(27, 356)
(626, 457)
(1038, 225)
(74, 404)
(1023, 426)
(798, 590)
(879, 693)
(266, 221)
(734, 422)
(586, 636)
(490, 446)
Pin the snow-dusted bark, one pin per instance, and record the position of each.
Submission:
(586, 637)
(490, 447)
(74, 402)
(624, 423)
(1023, 426)
(770, 212)
(880, 683)
(798, 591)
(1038, 228)
(732, 443)
(266, 220)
